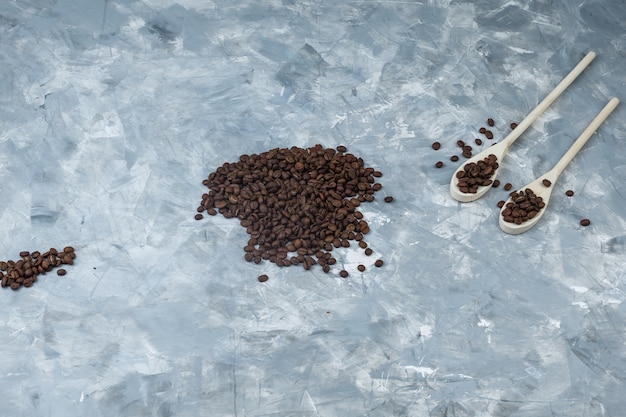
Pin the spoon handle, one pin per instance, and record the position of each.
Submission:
(553, 95)
(584, 137)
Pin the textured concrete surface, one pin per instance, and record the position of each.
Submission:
(113, 112)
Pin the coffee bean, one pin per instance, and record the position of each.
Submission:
(61, 272)
(513, 125)
(585, 222)
(263, 278)
(361, 268)
(489, 134)
(454, 158)
(368, 251)
(199, 216)
(439, 164)
(478, 141)
(343, 273)
(388, 199)
(460, 143)
(436, 145)
(341, 148)
(482, 130)
(490, 122)
(508, 186)
(501, 203)
(546, 182)
(496, 183)
(24, 253)
(568, 193)
(378, 263)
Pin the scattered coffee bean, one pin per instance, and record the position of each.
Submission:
(569, 193)
(546, 182)
(436, 145)
(585, 222)
(476, 174)
(478, 141)
(482, 130)
(496, 183)
(454, 158)
(489, 134)
(263, 278)
(24, 272)
(524, 206)
(368, 251)
(513, 125)
(439, 164)
(490, 122)
(508, 186)
(199, 216)
(378, 263)
(460, 143)
(501, 203)
(361, 268)
(343, 273)
(296, 204)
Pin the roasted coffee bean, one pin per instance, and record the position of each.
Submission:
(263, 278)
(513, 125)
(378, 263)
(489, 134)
(288, 195)
(454, 158)
(436, 145)
(388, 199)
(526, 205)
(568, 193)
(24, 253)
(490, 122)
(585, 222)
(368, 251)
(61, 272)
(343, 273)
(501, 203)
(478, 141)
(496, 183)
(460, 143)
(439, 164)
(546, 182)
(482, 130)
(361, 268)
(508, 186)
(199, 216)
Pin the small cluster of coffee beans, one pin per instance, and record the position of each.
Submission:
(524, 206)
(296, 204)
(24, 272)
(476, 174)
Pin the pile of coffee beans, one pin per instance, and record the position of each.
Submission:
(24, 271)
(524, 206)
(477, 174)
(296, 204)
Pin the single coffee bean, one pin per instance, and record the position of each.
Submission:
(501, 203)
(478, 141)
(568, 193)
(454, 158)
(436, 145)
(388, 199)
(496, 183)
(460, 143)
(513, 125)
(61, 272)
(508, 186)
(439, 164)
(199, 216)
(491, 122)
(341, 148)
(585, 222)
(343, 273)
(546, 182)
(24, 253)
(361, 268)
(368, 251)
(482, 130)
(378, 263)
(489, 134)
(263, 278)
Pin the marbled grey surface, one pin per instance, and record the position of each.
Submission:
(112, 112)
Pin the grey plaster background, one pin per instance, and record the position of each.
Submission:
(112, 112)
